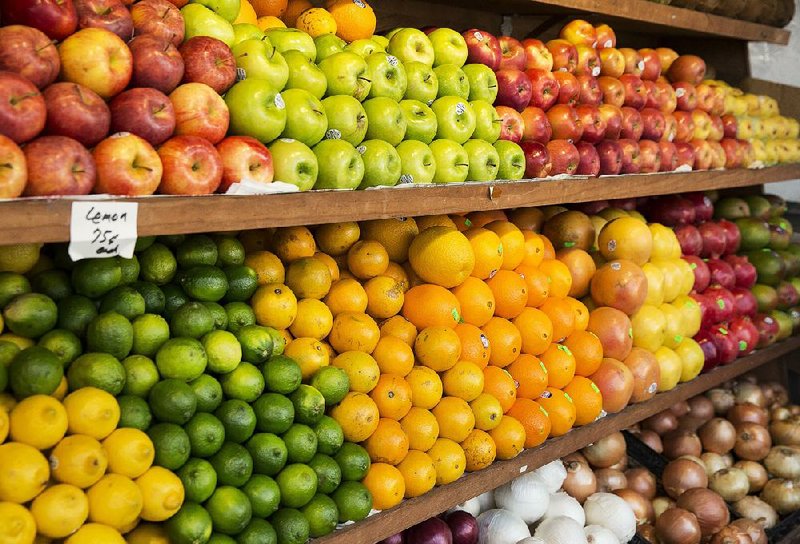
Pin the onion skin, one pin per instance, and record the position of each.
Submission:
(783, 462)
(782, 494)
(431, 531)
(731, 484)
(722, 399)
(748, 413)
(753, 442)
(749, 392)
(709, 508)
(575, 456)
(622, 465)
(607, 451)
(786, 432)
(580, 482)
(701, 407)
(610, 479)
(678, 443)
(779, 413)
(731, 535)
(642, 481)
(661, 423)
(757, 510)
(775, 393)
(753, 529)
(652, 439)
(647, 532)
(463, 526)
(681, 475)
(642, 508)
(660, 504)
(756, 474)
(689, 423)
(718, 435)
(713, 462)
(678, 526)
(680, 408)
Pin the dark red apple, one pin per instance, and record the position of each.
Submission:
(589, 163)
(564, 157)
(743, 270)
(148, 113)
(721, 273)
(158, 17)
(684, 153)
(703, 206)
(537, 125)
(513, 54)
(669, 157)
(594, 126)
(744, 302)
(713, 239)
(733, 238)
(156, 63)
(688, 68)
(671, 210)
(22, 108)
(610, 154)
(513, 89)
(56, 18)
(768, 330)
(77, 112)
(650, 157)
(537, 160)
(704, 340)
(58, 165)
(635, 92)
(565, 123)
(483, 48)
(653, 124)
(727, 344)
(30, 53)
(544, 88)
(746, 333)
(690, 239)
(569, 90)
(109, 14)
(210, 61)
(612, 115)
(631, 158)
(685, 95)
(565, 56)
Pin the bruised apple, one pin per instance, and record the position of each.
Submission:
(616, 384)
(614, 330)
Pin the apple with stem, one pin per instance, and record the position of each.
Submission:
(652, 64)
(579, 32)
(589, 161)
(612, 62)
(244, 159)
(449, 47)
(613, 90)
(158, 17)
(482, 82)
(514, 56)
(417, 164)
(511, 124)
(22, 108)
(306, 120)
(653, 124)
(108, 14)
(455, 117)
(590, 91)
(421, 122)
(13, 169)
(387, 75)
(294, 162)
(536, 125)
(157, 63)
(422, 83)
(544, 88)
(127, 165)
(537, 160)
(386, 121)
(594, 126)
(327, 45)
(58, 166)
(304, 74)
(650, 157)
(210, 61)
(564, 157)
(200, 111)
(452, 161)
(483, 48)
(192, 166)
(588, 61)
(569, 90)
(29, 53)
(484, 160)
(98, 59)
(631, 157)
(635, 92)
(410, 44)
(513, 89)
(565, 123)
(487, 121)
(382, 166)
(610, 157)
(256, 109)
(512, 160)
(346, 119)
(347, 74)
(76, 112)
(340, 165)
(452, 81)
(633, 61)
(56, 18)
(565, 55)
(669, 156)
(147, 113)
(258, 59)
(612, 115)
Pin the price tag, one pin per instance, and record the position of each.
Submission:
(102, 229)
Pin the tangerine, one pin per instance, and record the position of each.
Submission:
(560, 409)
(509, 437)
(392, 395)
(475, 346)
(510, 293)
(536, 330)
(430, 305)
(560, 365)
(587, 399)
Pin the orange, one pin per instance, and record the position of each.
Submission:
(587, 350)
(461, 222)
(399, 327)
(426, 387)
(561, 315)
(560, 365)
(560, 410)
(560, 278)
(384, 297)
(358, 416)
(346, 295)
(293, 10)
(448, 460)
(418, 473)
(267, 266)
(361, 369)
(438, 348)
(309, 353)
(479, 450)
(530, 376)
(388, 444)
(413, 279)
(487, 411)
(269, 21)
(587, 399)
(330, 262)
(488, 251)
(549, 252)
(510, 293)
(386, 485)
(393, 356)
(536, 330)
(308, 277)
(475, 346)
(455, 418)
(534, 249)
(527, 219)
(392, 395)
(256, 240)
(500, 384)
(355, 19)
(505, 339)
(537, 282)
(367, 259)
(509, 437)
(275, 8)
(484, 217)
(464, 380)
(316, 22)
(353, 331)
(442, 256)
(534, 419)
(274, 305)
(581, 268)
(513, 243)
(290, 243)
(421, 427)
(476, 300)
(334, 238)
(581, 313)
(394, 234)
(398, 274)
(427, 221)
(429, 305)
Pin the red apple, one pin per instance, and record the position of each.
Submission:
(610, 153)
(702, 124)
(704, 340)
(538, 55)
(56, 18)
(703, 206)
(666, 56)
(76, 112)
(483, 48)
(579, 32)
(635, 92)
(589, 162)
(537, 126)
(158, 17)
(127, 165)
(594, 126)
(688, 68)
(744, 301)
(613, 90)
(612, 62)
(13, 169)
(733, 238)
(746, 334)
(537, 160)
(590, 92)
(666, 100)
(768, 330)
(514, 57)
(669, 157)
(605, 36)
(565, 123)
(652, 64)
(684, 126)
(210, 61)
(670, 128)
(716, 129)
(702, 275)
(192, 166)
(730, 126)
(633, 61)
(650, 157)
(588, 61)
(612, 115)
(147, 113)
(718, 156)
(748, 153)
(734, 154)
(30, 53)
(565, 56)
(156, 63)
(544, 88)
(690, 239)
(685, 95)
(684, 152)
(512, 126)
(653, 124)
(727, 345)
(22, 108)
(564, 156)
(631, 124)
(652, 92)
(631, 158)
(743, 270)
(513, 89)
(58, 165)
(244, 158)
(200, 111)
(703, 155)
(706, 96)
(713, 239)
(109, 14)
(718, 104)
(569, 90)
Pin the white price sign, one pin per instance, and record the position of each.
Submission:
(102, 229)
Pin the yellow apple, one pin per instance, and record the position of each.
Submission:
(98, 59)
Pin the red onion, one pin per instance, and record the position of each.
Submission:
(610, 479)
(678, 526)
(642, 508)
(722, 399)
(753, 529)
(756, 474)
(752, 442)
(607, 451)
(580, 481)
(680, 408)
(463, 526)
(430, 531)
(661, 423)
(709, 508)
(748, 413)
(677, 443)
(718, 435)
(701, 407)
(652, 439)
(683, 474)
(642, 481)
(397, 538)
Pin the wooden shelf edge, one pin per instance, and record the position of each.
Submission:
(410, 512)
(47, 220)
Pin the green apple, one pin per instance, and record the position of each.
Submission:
(327, 45)
(383, 41)
(410, 44)
(449, 47)
(391, 33)
(347, 119)
(294, 163)
(200, 21)
(422, 83)
(305, 117)
(484, 160)
(260, 60)
(387, 75)
(256, 109)
(452, 162)
(227, 9)
(512, 160)
(482, 82)
(246, 31)
(381, 164)
(487, 122)
(364, 47)
(417, 162)
(452, 81)
(421, 122)
(340, 165)
(304, 74)
(291, 39)
(385, 120)
(455, 117)
(347, 74)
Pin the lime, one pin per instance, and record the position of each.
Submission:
(264, 495)
(223, 351)
(34, 371)
(154, 299)
(258, 531)
(199, 479)
(56, 284)
(219, 538)
(150, 331)
(124, 300)
(134, 412)
(172, 401)
(278, 342)
(171, 444)
(322, 515)
(353, 500)
(329, 435)
(75, 312)
(11, 285)
(130, 270)
(205, 283)
(3, 377)
(282, 375)
(309, 405)
(233, 464)
(190, 525)
(143, 242)
(65, 344)
(192, 320)
(332, 382)
(208, 392)
(96, 277)
(329, 475)
(30, 315)
(301, 443)
(99, 370)
(110, 333)
(141, 375)
(238, 418)
(8, 350)
(244, 383)
(219, 314)
(171, 240)
(206, 434)
(298, 484)
(291, 526)
(196, 250)
(230, 251)
(242, 283)
(181, 358)
(256, 343)
(353, 460)
(174, 298)
(268, 452)
(240, 315)
(274, 413)
(230, 510)
(158, 264)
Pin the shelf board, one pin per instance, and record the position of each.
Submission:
(412, 511)
(47, 219)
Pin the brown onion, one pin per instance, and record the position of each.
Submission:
(786, 431)
(711, 511)
(689, 423)
(701, 407)
(783, 462)
(752, 442)
(728, 458)
(580, 481)
(756, 474)
(678, 526)
(652, 439)
(753, 529)
(722, 399)
(677, 443)
(782, 494)
(718, 435)
(749, 392)
(795, 409)
(780, 413)
(660, 504)
(680, 408)
(610, 479)
(776, 394)
(647, 532)
(683, 474)
(575, 456)
(642, 508)
(730, 483)
(642, 481)
(661, 423)
(756, 510)
(747, 413)
(713, 462)
(731, 535)
(607, 451)
(622, 464)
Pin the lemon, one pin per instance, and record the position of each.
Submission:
(23, 472)
(79, 460)
(163, 494)
(60, 510)
(94, 533)
(19, 258)
(3, 425)
(62, 389)
(115, 501)
(92, 411)
(16, 524)
(148, 533)
(130, 452)
(39, 421)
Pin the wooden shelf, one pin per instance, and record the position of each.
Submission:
(47, 219)
(410, 512)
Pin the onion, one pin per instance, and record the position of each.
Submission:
(575, 456)
(713, 462)
(749, 392)
(730, 483)
(780, 413)
(431, 531)
(472, 507)
(397, 538)
(680, 408)
(552, 475)
(731, 535)
(786, 432)
(647, 532)
(756, 510)
(682, 474)
(718, 435)
(795, 410)
(709, 508)
(525, 496)
(728, 458)
(661, 423)
(560, 530)
(782, 494)
(678, 526)
(622, 464)
(463, 526)
(501, 527)
(597, 534)
(660, 504)
(652, 439)
(747, 413)
(689, 423)
(607, 451)
(721, 399)
(753, 529)
(611, 512)
(783, 462)
(642, 481)
(701, 407)
(677, 443)
(776, 394)
(562, 504)
(580, 481)
(752, 442)
(642, 507)
(756, 474)
(610, 479)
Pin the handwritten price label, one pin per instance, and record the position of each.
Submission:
(102, 229)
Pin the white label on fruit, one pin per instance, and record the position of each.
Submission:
(523, 468)
(430, 102)
(546, 395)
(615, 266)
(640, 66)
(241, 74)
(671, 138)
(680, 93)
(460, 108)
(596, 71)
(608, 44)
(392, 60)
(333, 134)
(653, 387)
(360, 3)
(287, 140)
(405, 179)
(478, 36)
(279, 103)
(612, 245)
(102, 229)
(361, 149)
